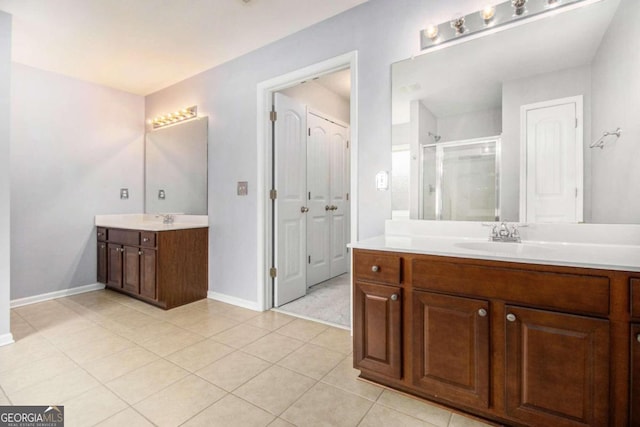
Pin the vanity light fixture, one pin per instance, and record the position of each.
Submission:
(490, 18)
(176, 117)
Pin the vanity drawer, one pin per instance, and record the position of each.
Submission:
(377, 267)
(124, 237)
(148, 239)
(634, 284)
(579, 293)
(101, 234)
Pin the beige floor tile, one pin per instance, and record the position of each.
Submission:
(55, 390)
(118, 364)
(186, 316)
(180, 401)
(274, 389)
(213, 324)
(381, 416)
(92, 407)
(170, 343)
(273, 347)
(458, 420)
(312, 409)
(231, 411)
(39, 309)
(279, 422)
(312, 360)
(60, 326)
(4, 400)
(415, 408)
(92, 332)
(20, 328)
(94, 350)
(304, 330)
(240, 336)
(135, 319)
(13, 380)
(149, 332)
(345, 377)
(143, 382)
(335, 339)
(25, 351)
(199, 355)
(233, 370)
(270, 320)
(129, 418)
(239, 314)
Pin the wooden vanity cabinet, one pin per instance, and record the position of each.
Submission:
(519, 344)
(164, 268)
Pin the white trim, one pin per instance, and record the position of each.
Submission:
(265, 90)
(57, 294)
(579, 103)
(313, 319)
(6, 339)
(251, 305)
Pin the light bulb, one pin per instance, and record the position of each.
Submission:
(431, 31)
(488, 12)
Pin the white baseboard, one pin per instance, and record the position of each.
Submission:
(6, 339)
(251, 305)
(57, 294)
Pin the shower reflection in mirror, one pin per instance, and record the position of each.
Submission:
(459, 180)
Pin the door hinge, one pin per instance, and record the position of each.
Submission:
(347, 197)
(576, 123)
(309, 195)
(309, 259)
(273, 272)
(347, 143)
(309, 131)
(273, 194)
(576, 192)
(273, 116)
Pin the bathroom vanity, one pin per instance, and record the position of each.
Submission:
(505, 336)
(162, 264)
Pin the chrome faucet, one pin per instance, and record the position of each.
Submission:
(503, 233)
(166, 218)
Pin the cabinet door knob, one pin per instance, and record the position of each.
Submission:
(145, 239)
(511, 317)
(482, 312)
(394, 297)
(638, 337)
(139, 252)
(375, 268)
(101, 246)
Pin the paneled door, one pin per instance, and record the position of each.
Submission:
(552, 167)
(327, 189)
(290, 170)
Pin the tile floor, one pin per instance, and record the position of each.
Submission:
(114, 361)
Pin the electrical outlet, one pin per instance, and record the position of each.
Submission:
(243, 188)
(124, 193)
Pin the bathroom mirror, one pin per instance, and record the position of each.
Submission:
(176, 169)
(544, 91)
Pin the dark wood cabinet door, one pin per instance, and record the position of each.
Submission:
(377, 329)
(148, 273)
(451, 347)
(102, 262)
(557, 368)
(131, 270)
(635, 375)
(114, 262)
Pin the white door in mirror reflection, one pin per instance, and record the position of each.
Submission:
(552, 186)
(459, 180)
(290, 161)
(327, 187)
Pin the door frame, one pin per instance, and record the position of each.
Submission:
(579, 101)
(265, 91)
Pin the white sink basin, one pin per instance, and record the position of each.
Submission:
(507, 248)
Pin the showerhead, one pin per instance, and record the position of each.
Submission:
(435, 137)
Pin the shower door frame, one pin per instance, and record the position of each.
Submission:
(439, 172)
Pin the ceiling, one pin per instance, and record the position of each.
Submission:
(141, 46)
(338, 83)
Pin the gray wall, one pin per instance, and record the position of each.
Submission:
(383, 32)
(616, 103)
(476, 124)
(5, 177)
(74, 145)
(529, 90)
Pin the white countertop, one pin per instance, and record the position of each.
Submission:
(586, 255)
(150, 222)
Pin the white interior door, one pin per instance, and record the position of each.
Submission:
(290, 164)
(339, 213)
(553, 184)
(319, 200)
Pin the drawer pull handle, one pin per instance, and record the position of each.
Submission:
(638, 337)
(145, 239)
(394, 297)
(511, 317)
(139, 252)
(375, 268)
(101, 246)
(482, 312)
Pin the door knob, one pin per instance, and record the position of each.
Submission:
(334, 208)
(327, 208)
(394, 297)
(511, 317)
(304, 209)
(482, 312)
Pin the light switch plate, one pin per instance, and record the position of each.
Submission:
(124, 193)
(243, 188)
